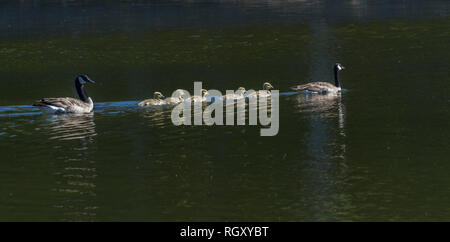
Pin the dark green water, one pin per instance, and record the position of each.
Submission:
(378, 152)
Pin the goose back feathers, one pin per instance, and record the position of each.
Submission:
(323, 87)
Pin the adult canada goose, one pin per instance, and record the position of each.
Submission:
(198, 98)
(157, 100)
(323, 87)
(235, 96)
(68, 104)
(265, 92)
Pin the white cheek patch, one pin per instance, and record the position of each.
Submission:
(339, 67)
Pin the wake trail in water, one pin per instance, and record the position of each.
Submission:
(99, 107)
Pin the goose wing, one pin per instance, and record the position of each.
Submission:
(314, 87)
(232, 96)
(172, 100)
(263, 93)
(61, 102)
(195, 99)
(151, 102)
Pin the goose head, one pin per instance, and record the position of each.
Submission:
(158, 95)
(79, 85)
(241, 90)
(338, 67)
(267, 86)
(83, 79)
(204, 92)
(180, 93)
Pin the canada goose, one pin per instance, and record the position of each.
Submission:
(235, 96)
(198, 98)
(265, 92)
(157, 100)
(68, 104)
(173, 100)
(176, 98)
(323, 87)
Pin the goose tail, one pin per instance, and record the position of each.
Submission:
(40, 103)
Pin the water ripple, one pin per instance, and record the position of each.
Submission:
(73, 126)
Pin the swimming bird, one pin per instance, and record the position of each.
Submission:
(323, 87)
(235, 96)
(157, 100)
(265, 92)
(198, 98)
(68, 104)
(173, 100)
(176, 98)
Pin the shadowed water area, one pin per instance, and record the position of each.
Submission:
(380, 151)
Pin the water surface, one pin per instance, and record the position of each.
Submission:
(377, 152)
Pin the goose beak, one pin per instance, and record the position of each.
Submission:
(163, 97)
(90, 80)
(87, 79)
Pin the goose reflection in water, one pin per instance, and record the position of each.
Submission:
(325, 139)
(323, 106)
(156, 117)
(72, 126)
(75, 169)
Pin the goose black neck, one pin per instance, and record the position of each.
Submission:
(336, 77)
(81, 92)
